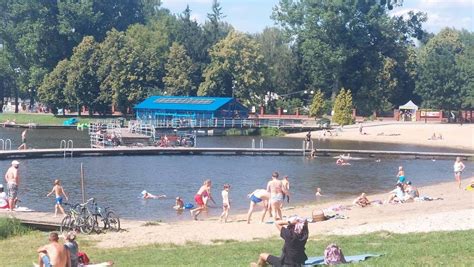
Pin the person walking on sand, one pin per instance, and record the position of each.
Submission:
(401, 175)
(53, 254)
(58, 190)
(12, 177)
(276, 189)
(204, 190)
(458, 168)
(257, 196)
(23, 140)
(225, 203)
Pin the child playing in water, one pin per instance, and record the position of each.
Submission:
(225, 203)
(179, 204)
(59, 192)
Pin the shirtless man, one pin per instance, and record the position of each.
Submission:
(58, 191)
(286, 185)
(12, 177)
(276, 189)
(54, 254)
(257, 196)
(23, 140)
(204, 190)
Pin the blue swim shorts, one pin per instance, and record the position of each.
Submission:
(59, 200)
(46, 261)
(255, 199)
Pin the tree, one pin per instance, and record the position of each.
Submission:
(466, 66)
(343, 108)
(215, 28)
(179, 69)
(439, 80)
(7, 77)
(51, 91)
(317, 106)
(348, 44)
(235, 68)
(282, 72)
(82, 88)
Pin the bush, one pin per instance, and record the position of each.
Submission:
(11, 227)
(271, 131)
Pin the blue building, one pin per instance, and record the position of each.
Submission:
(159, 108)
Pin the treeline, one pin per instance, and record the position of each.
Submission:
(102, 54)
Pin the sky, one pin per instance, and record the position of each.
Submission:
(254, 15)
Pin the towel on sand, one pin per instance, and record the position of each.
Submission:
(350, 259)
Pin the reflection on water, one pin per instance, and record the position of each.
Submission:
(118, 181)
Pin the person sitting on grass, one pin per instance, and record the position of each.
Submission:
(295, 234)
(53, 254)
(362, 201)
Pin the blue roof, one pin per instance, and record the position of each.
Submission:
(183, 103)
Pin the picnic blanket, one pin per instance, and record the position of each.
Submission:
(311, 261)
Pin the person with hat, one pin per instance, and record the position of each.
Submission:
(3, 198)
(147, 195)
(12, 177)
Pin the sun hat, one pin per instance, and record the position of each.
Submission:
(143, 192)
(15, 162)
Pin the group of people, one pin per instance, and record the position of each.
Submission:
(57, 254)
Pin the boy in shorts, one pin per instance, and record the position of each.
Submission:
(59, 192)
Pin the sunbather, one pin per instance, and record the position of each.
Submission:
(396, 195)
(361, 201)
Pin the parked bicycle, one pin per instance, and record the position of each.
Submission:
(106, 218)
(78, 218)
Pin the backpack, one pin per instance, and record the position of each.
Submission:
(82, 258)
(333, 255)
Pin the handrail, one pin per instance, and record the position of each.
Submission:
(68, 145)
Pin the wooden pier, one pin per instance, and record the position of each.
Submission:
(132, 151)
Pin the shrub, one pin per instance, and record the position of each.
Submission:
(11, 227)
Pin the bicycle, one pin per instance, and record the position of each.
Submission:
(109, 219)
(78, 218)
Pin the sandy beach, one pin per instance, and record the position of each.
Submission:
(454, 212)
(454, 135)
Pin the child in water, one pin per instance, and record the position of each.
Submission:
(179, 204)
(225, 203)
(59, 192)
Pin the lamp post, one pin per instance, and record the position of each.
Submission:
(233, 87)
(18, 72)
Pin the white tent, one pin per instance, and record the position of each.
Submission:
(409, 105)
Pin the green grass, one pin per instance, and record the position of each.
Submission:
(424, 249)
(11, 227)
(40, 119)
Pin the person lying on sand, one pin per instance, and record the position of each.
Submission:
(146, 195)
(361, 201)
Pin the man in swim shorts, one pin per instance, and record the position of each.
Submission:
(257, 196)
(59, 193)
(12, 177)
(204, 190)
(53, 254)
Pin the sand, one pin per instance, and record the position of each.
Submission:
(416, 133)
(454, 212)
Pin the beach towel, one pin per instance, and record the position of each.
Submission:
(312, 261)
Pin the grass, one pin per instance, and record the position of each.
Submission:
(423, 249)
(40, 119)
(11, 227)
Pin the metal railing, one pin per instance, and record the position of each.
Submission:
(218, 123)
(68, 146)
(142, 128)
(6, 144)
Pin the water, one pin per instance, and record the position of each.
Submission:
(118, 181)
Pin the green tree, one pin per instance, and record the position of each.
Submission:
(179, 69)
(343, 108)
(7, 78)
(51, 91)
(82, 88)
(235, 68)
(317, 105)
(282, 71)
(440, 82)
(466, 65)
(215, 29)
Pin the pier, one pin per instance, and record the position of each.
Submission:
(139, 151)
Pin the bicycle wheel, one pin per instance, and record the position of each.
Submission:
(113, 221)
(66, 224)
(87, 224)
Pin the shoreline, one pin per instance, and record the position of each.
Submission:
(454, 212)
(453, 135)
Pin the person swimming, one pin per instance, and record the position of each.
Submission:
(146, 195)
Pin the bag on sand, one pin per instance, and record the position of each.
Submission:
(82, 257)
(333, 255)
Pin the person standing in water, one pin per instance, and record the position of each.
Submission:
(458, 168)
(225, 203)
(204, 190)
(58, 190)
